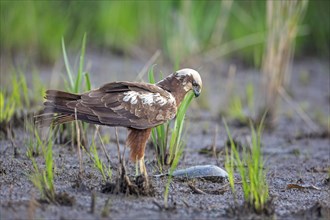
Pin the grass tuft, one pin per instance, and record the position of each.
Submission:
(159, 134)
(7, 107)
(250, 166)
(43, 179)
(242, 108)
(34, 142)
(17, 98)
(74, 84)
(105, 171)
(168, 152)
(280, 45)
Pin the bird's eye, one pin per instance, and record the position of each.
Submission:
(194, 83)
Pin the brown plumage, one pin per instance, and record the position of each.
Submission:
(137, 140)
(137, 106)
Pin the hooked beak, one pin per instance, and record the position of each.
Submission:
(197, 91)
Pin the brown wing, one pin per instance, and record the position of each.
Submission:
(134, 105)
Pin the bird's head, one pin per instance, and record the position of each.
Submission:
(190, 79)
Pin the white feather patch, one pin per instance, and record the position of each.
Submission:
(131, 97)
(146, 98)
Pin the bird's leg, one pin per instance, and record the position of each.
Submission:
(143, 170)
(136, 168)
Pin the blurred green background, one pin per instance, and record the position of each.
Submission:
(181, 29)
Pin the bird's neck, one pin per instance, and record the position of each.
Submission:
(174, 86)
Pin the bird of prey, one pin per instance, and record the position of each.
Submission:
(138, 106)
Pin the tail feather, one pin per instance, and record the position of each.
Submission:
(45, 120)
(56, 110)
(53, 95)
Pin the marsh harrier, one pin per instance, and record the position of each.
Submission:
(138, 106)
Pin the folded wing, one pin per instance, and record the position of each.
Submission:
(133, 105)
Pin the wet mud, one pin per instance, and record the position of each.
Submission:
(293, 155)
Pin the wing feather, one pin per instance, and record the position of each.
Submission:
(127, 104)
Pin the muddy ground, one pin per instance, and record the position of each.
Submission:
(293, 153)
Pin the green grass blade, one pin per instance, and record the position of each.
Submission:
(229, 165)
(67, 65)
(173, 167)
(88, 81)
(151, 76)
(82, 54)
(49, 165)
(77, 84)
(24, 89)
(77, 87)
(159, 134)
(175, 140)
(154, 137)
(2, 107)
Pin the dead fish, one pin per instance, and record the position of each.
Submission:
(207, 172)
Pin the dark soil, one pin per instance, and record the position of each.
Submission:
(294, 155)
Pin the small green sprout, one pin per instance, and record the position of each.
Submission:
(34, 141)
